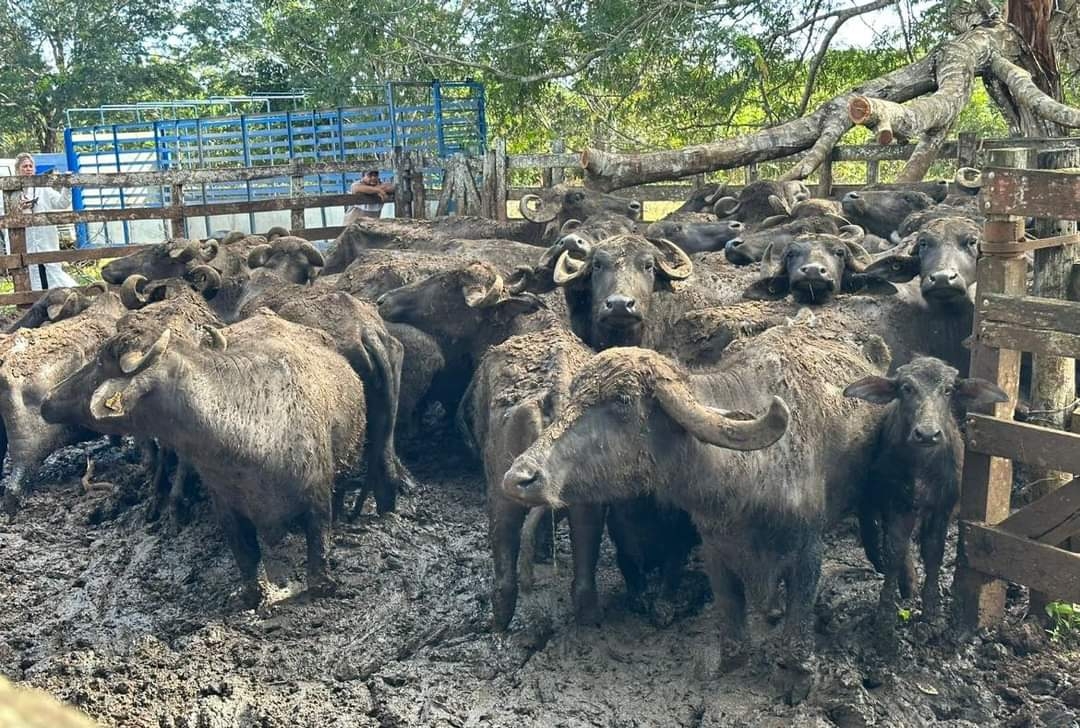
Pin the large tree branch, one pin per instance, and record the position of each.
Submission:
(1024, 91)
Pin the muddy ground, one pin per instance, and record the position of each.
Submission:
(132, 622)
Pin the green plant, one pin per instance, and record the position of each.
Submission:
(1065, 618)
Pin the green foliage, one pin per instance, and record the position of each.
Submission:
(1065, 620)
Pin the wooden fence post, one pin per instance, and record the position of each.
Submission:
(402, 191)
(1053, 382)
(502, 180)
(825, 178)
(873, 171)
(967, 149)
(416, 182)
(751, 173)
(179, 223)
(987, 481)
(20, 277)
(558, 174)
(296, 214)
(487, 191)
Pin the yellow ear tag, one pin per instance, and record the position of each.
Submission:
(116, 402)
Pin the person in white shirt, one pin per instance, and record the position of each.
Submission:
(42, 239)
(378, 192)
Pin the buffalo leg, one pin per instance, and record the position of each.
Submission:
(504, 531)
(385, 472)
(729, 601)
(870, 533)
(627, 531)
(897, 529)
(586, 530)
(317, 531)
(932, 547)
(244, 541)
(801, 581)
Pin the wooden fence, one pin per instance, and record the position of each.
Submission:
(459, 191)
(1026, 546)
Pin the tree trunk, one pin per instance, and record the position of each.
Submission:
(937, 87)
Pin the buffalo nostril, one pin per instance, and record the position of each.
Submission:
(851, 196)
(953, 276)
(608, 304)
(735, 225)
(733, 243)
(635, 206)
(927, 434)
(630, 304)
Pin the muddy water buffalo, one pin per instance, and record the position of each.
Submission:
(637, 423)
(760, 200)
(56, 304)
(562, 203)
(813, 268)
(750, 246)
(32, 361)
(695, 237)
(266, 411)
(173, 258)
(915, 476)
(943, 257)
(699, 206)
(881, 212)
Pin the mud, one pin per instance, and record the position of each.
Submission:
(132, 622)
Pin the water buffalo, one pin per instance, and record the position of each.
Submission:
(881, 212)
(562, 203)
(750, 246)
(32, 361)
(695, 237)
(636, 422)
(915, 475)
(173, 258)
(760, 200)
(56, 304)
(812, 268)
(265, 410)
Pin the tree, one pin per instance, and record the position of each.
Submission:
(60, 54)
(919, 102)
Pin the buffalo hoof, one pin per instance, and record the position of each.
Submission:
(322, 587)
(587, 610)
(253, 595)
(661, 613)
(12, 503)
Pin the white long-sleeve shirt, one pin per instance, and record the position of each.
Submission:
(44, 239)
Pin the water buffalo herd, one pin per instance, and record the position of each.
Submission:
(737, 376)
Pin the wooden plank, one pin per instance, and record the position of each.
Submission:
(1051, 519)
(197, 176)
(1021, 338)
(1031, 311)
(1026, 443)
(172, 213)
(986, 485)
(20, 298)
(321, 233)
(543, 161)
(487, 192)
(558, 174)
(825, 179)
(296, 212)
(873, 172)
(1037, 193)
(967, 149)
(996, 552)
(179, 224)
(80, 254)
(502, 180)
(419, 195)
(20, 277)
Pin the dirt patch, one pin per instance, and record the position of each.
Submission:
(132, 622)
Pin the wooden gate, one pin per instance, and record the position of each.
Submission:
(1026, 546)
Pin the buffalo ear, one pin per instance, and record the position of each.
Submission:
(975, 394)
(895, 268)
(879, 390)
(771, 288)
(521, 303)
(869, 285)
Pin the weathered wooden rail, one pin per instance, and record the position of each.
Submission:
(1028, 546)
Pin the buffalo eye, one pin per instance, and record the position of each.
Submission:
(597, 264)
(923, 245)
(839, 252)
(648, 266)
(972, 242)
(948, 390)
(906, 388)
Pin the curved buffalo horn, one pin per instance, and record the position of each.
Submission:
(185, 252)
(840, 221)
(677, 269)
(770, 266)
(779, 205)
(234, 237)
(135, 361)
(543, 212)
(859, 256)
(131, 292)
(726, 206)
(205, 278)
(570, 225)
(209, 249)
(968, 177)
(99, 286)
(276, 232)
(773, 221)
(851, 232)
(568, 269)
(56, 310)
(480, 296)
(721, 427)
(258, 255)
(218, 342)
(314, 257)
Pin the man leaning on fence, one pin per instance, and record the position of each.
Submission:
(44, 238)
(376, 193)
